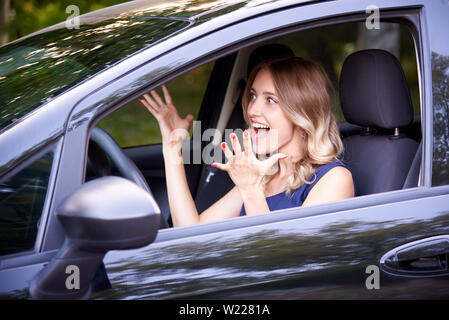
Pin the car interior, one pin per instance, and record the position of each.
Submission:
(377, 109)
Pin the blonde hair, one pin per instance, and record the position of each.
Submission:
(303, 89)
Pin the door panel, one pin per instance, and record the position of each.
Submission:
(322, 256)
(16, 281)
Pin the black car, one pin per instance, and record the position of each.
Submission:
(73, 135)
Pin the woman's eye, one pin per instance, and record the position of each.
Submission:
(271, 100)
(252, 96)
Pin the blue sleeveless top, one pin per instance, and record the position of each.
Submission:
(297, 197)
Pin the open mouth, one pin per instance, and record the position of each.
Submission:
(260, 131)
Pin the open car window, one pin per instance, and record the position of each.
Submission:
(132, 125)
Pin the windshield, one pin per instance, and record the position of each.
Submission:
(37, 68)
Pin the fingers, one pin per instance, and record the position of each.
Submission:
(150, 102)
(150, 108)
(167, 95)
(229, 156)
(247, 144)
(154, 102)
(157, 98)
(236, 147)
(236, 144)
(273, 159)
(221, 166)
(227, 152)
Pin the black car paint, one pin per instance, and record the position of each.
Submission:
(324, 255)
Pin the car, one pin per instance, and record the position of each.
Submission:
(84, 211)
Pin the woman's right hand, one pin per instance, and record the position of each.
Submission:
(173, 128)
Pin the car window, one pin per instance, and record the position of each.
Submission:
(22, 198)
(133, 125)
(330, 45)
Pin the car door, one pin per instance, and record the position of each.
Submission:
(328, 251)
(387, 245)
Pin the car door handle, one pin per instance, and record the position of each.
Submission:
(423, 258)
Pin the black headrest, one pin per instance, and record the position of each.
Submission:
(266, 52)
(374, 91)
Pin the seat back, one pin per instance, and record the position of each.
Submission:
(374, 94)
(412, 179)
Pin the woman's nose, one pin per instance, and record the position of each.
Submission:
(254, 108)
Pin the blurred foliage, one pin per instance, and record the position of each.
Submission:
(134, 125)
(28, 16)
(440, 87)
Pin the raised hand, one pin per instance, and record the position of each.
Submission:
(243, 167)
(173, 128)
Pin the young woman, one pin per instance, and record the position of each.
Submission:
(285, 98)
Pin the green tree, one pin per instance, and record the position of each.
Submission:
(21, 17)
(440, 90)
(4, 19)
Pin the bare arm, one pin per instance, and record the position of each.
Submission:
(336, 184)
(182, 206)
(229, 206)
(174, 129)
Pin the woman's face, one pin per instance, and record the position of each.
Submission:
(271, 130)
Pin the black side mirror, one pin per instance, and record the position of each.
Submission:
(109, 213)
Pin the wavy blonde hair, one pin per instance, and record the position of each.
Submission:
(304, 91)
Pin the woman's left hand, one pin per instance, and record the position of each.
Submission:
(245, 170)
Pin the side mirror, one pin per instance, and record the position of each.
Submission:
(109, 213)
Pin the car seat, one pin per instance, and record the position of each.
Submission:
(412, 179)
(374, 94)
